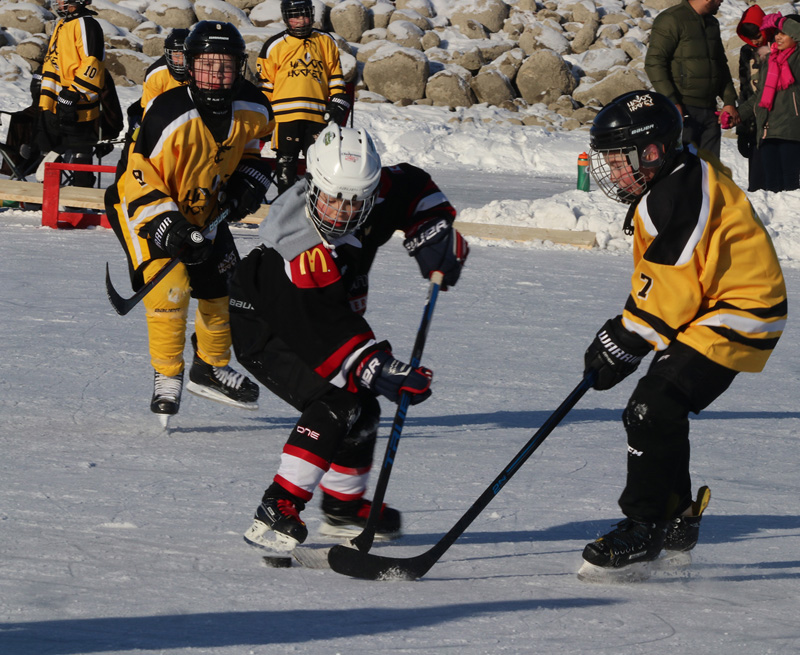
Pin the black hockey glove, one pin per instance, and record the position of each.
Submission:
(177, 237)
(383, 374)
(244, 192)
(615, 353)
(438, 246)
(67, 108)
(337, 109)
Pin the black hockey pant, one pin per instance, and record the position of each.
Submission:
(656, 419)
(336, 426)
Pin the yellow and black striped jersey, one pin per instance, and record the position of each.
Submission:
(706, 272)
(74, 60)
(298, 76)
(157, 80)
(176, 163)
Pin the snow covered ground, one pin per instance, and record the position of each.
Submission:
(117, 538)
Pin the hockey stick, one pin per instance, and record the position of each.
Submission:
(124, 305)
(367, 566)
(364, 540)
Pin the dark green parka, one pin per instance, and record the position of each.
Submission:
(783, 122)
(686, 60)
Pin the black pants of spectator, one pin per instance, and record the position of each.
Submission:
(291, 139)
(680, 380)
(701, 127)
(780, 162)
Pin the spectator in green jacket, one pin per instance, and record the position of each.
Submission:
(686, 62)
(776, 106)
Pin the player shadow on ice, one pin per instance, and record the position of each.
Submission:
(534, 418)
(715, 530)
(230, 629)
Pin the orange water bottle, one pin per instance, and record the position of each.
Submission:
(583, 172)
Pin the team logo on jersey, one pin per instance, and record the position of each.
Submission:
(307, 68)
(314, 268)
(221, 150)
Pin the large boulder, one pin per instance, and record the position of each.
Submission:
(350, 19)
(451, 88)
(25, 16)
(117, 14)
(405, 34)
(491, 13)
(222, 11)
(172, 13)
(399, 74)
(614, 84)
(126, 66)
(543, 77)
(492, 87)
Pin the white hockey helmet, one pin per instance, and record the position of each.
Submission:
(343, 173)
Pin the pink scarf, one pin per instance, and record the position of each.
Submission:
(779, 75)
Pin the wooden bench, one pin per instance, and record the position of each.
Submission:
(50, 195)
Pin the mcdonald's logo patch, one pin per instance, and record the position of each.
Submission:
(314, 268)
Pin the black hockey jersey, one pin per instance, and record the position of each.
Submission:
(312, 294)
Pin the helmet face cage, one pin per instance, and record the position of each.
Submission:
(214, 38)
(61, 7)
(298, 9)
(634, 141)
(344, 172)
(173, 52)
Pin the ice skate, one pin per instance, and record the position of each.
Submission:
(624, 554)
(166, 400)
(347, 518)
(277, 526)
(223, 384)
(684, 531)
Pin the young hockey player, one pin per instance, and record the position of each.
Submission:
(708, 297)
(297, 305)
(301, 75)
(196, 154)
(73, 75)
(165, 73)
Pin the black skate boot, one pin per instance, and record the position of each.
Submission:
(684, 531)
(347, 518)
(221, 383)
(277, 525)
(166, 400)
(630, 546)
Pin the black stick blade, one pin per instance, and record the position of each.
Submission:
(120, 304)
(367, 566)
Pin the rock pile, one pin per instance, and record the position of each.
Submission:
(518, 55)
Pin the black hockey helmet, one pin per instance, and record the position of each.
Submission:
(61, 7)
(643, 127)
(297, 9)
(173, 52)
(216, 38)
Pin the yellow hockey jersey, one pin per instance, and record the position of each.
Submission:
(74, 60)
(298, 76)
(157, 80)
(176, 164)
(706, 272)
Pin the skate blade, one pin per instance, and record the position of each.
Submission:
(601, 575)
(260, 536)
(211, 394)
(670, 561)
(348, 532)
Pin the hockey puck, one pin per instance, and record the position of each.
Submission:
(277, 562)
